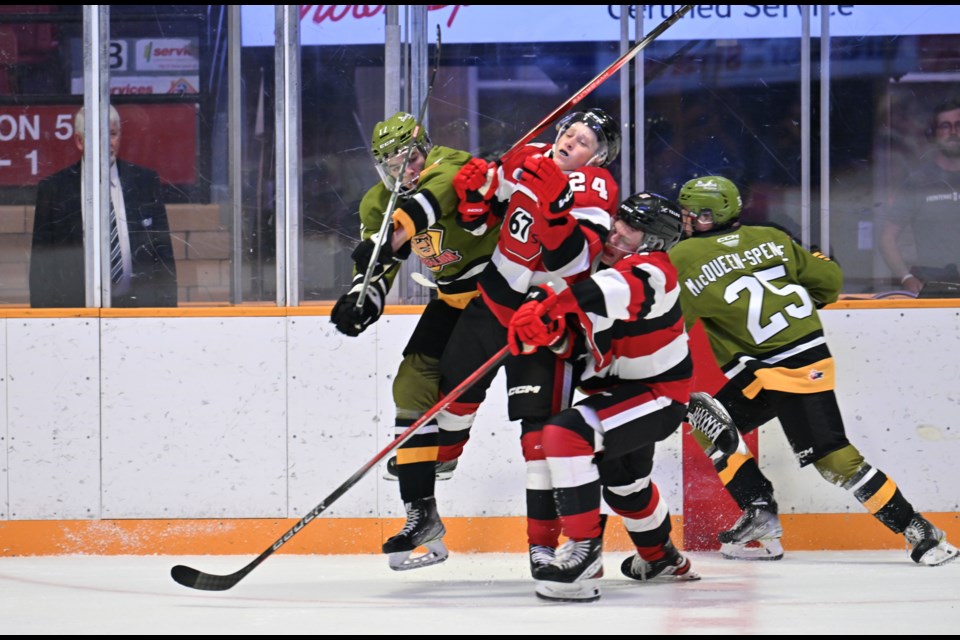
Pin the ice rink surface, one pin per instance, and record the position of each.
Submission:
(878, 592)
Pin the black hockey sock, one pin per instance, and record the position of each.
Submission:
(881, 497)
(746, 483)
(416, 474)
(417, 480)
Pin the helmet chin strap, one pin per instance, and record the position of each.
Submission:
(599, 157)
(649, 243)
(408, 187)
(621, 252)
(596, 160)
(717, 227)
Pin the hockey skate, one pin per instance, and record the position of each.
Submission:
(574, 574)
(755, 536)
(540, 556)
(673, 566)
(708, 416)
(928, 544)
(444, 469)
(422, 529)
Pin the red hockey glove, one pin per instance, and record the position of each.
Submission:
(476, 184)
(549, 183)
(537, 323)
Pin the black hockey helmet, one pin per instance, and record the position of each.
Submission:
(660, 219)
(603, 126)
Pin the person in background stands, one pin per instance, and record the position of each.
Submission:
(928, 203)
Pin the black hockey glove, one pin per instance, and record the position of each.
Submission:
(386, 258)
(352, 321)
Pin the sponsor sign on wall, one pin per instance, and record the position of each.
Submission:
(147, 66)
(36, 141)
(322, 24)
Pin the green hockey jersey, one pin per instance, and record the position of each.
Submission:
(755, 290)
(454, 256)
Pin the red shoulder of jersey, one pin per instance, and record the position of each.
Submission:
(655, 263)
(594, 187)
(515, 160)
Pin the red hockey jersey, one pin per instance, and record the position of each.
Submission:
(520, 261)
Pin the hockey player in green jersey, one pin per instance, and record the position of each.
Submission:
(424, 223)
(757, 292)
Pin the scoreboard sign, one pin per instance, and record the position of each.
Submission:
(36, 141)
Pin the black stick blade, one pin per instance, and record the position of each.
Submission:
(194, 579)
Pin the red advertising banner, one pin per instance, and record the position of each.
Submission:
(36, 141)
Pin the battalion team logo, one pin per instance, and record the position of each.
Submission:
(427, 247)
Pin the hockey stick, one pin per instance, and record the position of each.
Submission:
(588, 88)
(195, 579)
(388, 214)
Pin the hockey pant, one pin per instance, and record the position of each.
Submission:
(538, 386)
(606, 444)
(814, 427)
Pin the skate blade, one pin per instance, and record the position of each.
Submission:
(446, 475)
(939, 555)
(689, 576)
(755, 550)
(405, 560)
(582, 591)
(441, 475)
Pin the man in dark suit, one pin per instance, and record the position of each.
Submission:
(143, 272)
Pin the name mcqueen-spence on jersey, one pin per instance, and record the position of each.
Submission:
(718, 267)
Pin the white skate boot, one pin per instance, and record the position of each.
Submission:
(755, 536)
(928, 544)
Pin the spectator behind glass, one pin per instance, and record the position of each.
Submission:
(928, 204)
(143, 270)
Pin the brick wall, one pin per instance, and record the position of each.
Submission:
(201, 246)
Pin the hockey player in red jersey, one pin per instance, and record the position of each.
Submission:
(637, 381)
(561, 200)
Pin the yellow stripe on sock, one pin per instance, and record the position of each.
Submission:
(417, 454)
(734, 462)
(878, 500)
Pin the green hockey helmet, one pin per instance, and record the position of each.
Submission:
(391, 140)
(712, 194)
